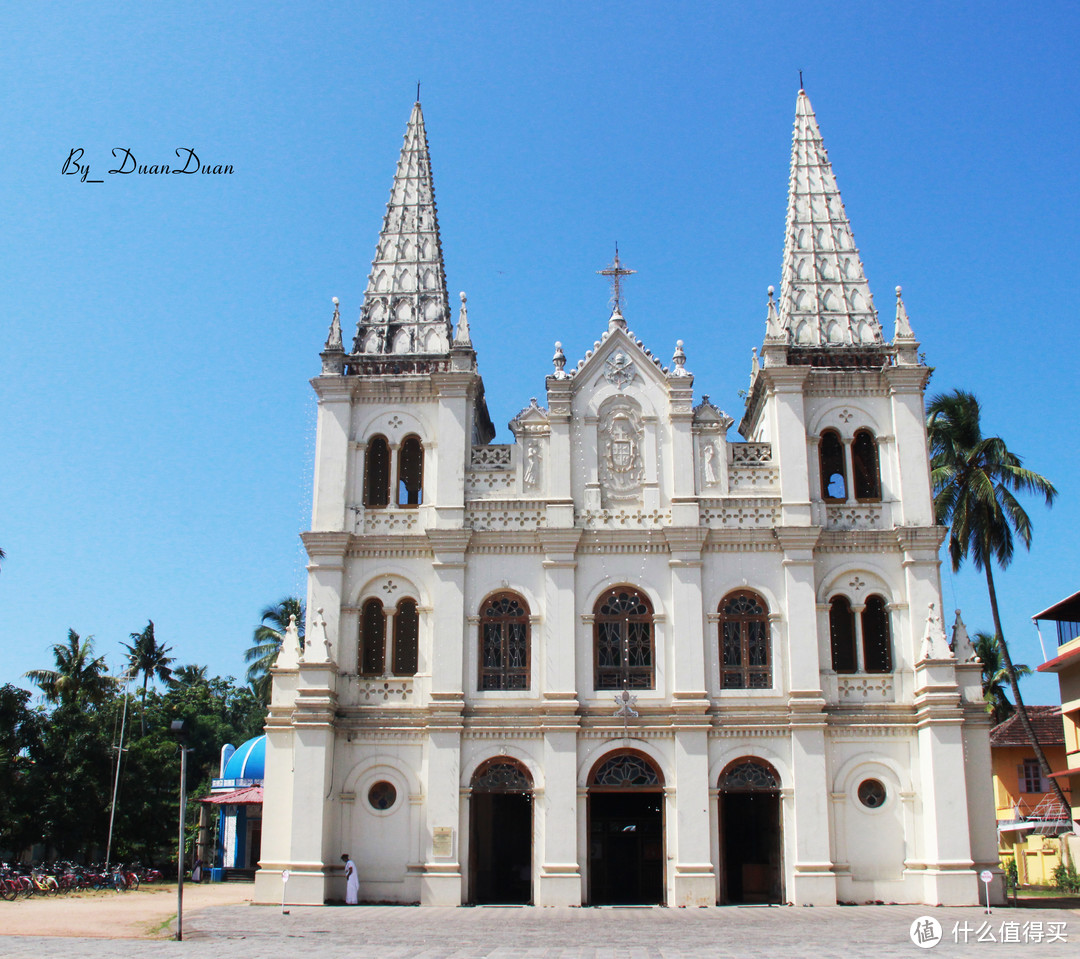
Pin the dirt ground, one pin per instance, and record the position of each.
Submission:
(148, 913)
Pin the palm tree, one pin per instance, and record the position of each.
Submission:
(146, 656)
(78, 677)
(994, 677)
(190, 675)
(267, 641)
(974, 478)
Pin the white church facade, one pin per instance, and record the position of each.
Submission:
(626, 659)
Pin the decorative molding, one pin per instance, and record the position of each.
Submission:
(492, 456)
(750, 454)
(863, 516)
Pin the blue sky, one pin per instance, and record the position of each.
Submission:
(157, 333)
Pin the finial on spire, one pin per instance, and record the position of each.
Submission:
(559, 361)
(616, 271)
(679, 359)
(903, 324)
(333, 339)
(418, 89)
(462, 338)
(801, 87)
(773, 330)
(755, 365)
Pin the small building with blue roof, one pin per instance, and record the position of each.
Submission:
(238, 795)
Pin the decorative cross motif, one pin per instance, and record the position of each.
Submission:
(395, 421)
(389, 587)
(616, 271)
(624, 706)
(844, 415)
(857, 584)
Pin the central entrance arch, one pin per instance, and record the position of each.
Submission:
(500, 833)
(750, 833)
(626, 831)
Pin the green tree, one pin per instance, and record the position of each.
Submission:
(20, 738)
(190, 675)
(267, 642)
(974, 478)
(150, 659)
(995, 677)
(79, 677)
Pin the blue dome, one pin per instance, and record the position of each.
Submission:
(249, 761)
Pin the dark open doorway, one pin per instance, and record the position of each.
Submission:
(626, 848)
(500, 835)
(626, 832)
(750, 834)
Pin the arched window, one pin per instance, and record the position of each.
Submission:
(406, 638)
(833, 474)
(377, 473)
(623, 640)
(504, 642)
(626, 769)
(842, 634)
(372, 638)
(744, 642)
(864, 466)
(411, 472)
(877, 649)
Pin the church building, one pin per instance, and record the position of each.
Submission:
(626, 658)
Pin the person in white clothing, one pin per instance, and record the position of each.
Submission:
(352, 883)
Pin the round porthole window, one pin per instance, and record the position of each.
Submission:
(382, 795)
(871, 793)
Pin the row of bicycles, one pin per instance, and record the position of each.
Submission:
(65, 877)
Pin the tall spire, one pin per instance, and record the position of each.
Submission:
(406, 309)
(824, 297)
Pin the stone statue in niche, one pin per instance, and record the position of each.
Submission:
(709, 456)
(622, 469)
(532, 466)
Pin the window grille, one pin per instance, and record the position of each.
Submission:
(744, 639)
(624, 640)
(504, 643)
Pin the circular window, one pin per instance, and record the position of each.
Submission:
(871, 793)
(382, 795)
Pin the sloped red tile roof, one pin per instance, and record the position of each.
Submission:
(238, 797)
(1046, 721)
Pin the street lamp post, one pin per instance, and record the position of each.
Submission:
(116, 781)
(177, 729)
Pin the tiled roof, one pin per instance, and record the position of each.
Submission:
(1046, 721)
(250, 796)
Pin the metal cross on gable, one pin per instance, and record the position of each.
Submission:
(616, 271)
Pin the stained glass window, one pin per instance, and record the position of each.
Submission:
(624, 640)
(501, 776)
(626, 771)
(744, 641)
(504, 642)
(748, 776)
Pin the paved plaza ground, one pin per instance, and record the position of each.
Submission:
(217, 925)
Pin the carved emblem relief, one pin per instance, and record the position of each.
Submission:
(622, 462)
(619, 370)
(531, 475)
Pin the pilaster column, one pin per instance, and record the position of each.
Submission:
(560, 873)
(948, 869)
(441, 881)
(913, 498)
(812, 878)
(329, 483)
(785, 385)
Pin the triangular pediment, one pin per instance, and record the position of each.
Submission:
(619, 359)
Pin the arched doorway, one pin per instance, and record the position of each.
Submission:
(500, 833)
(626, 831)
(750, 833)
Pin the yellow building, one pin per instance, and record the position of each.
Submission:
(1030, 817)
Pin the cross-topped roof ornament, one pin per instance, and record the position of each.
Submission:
(616, 271)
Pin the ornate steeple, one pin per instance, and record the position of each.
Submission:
(824, 297)
(406, 310)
